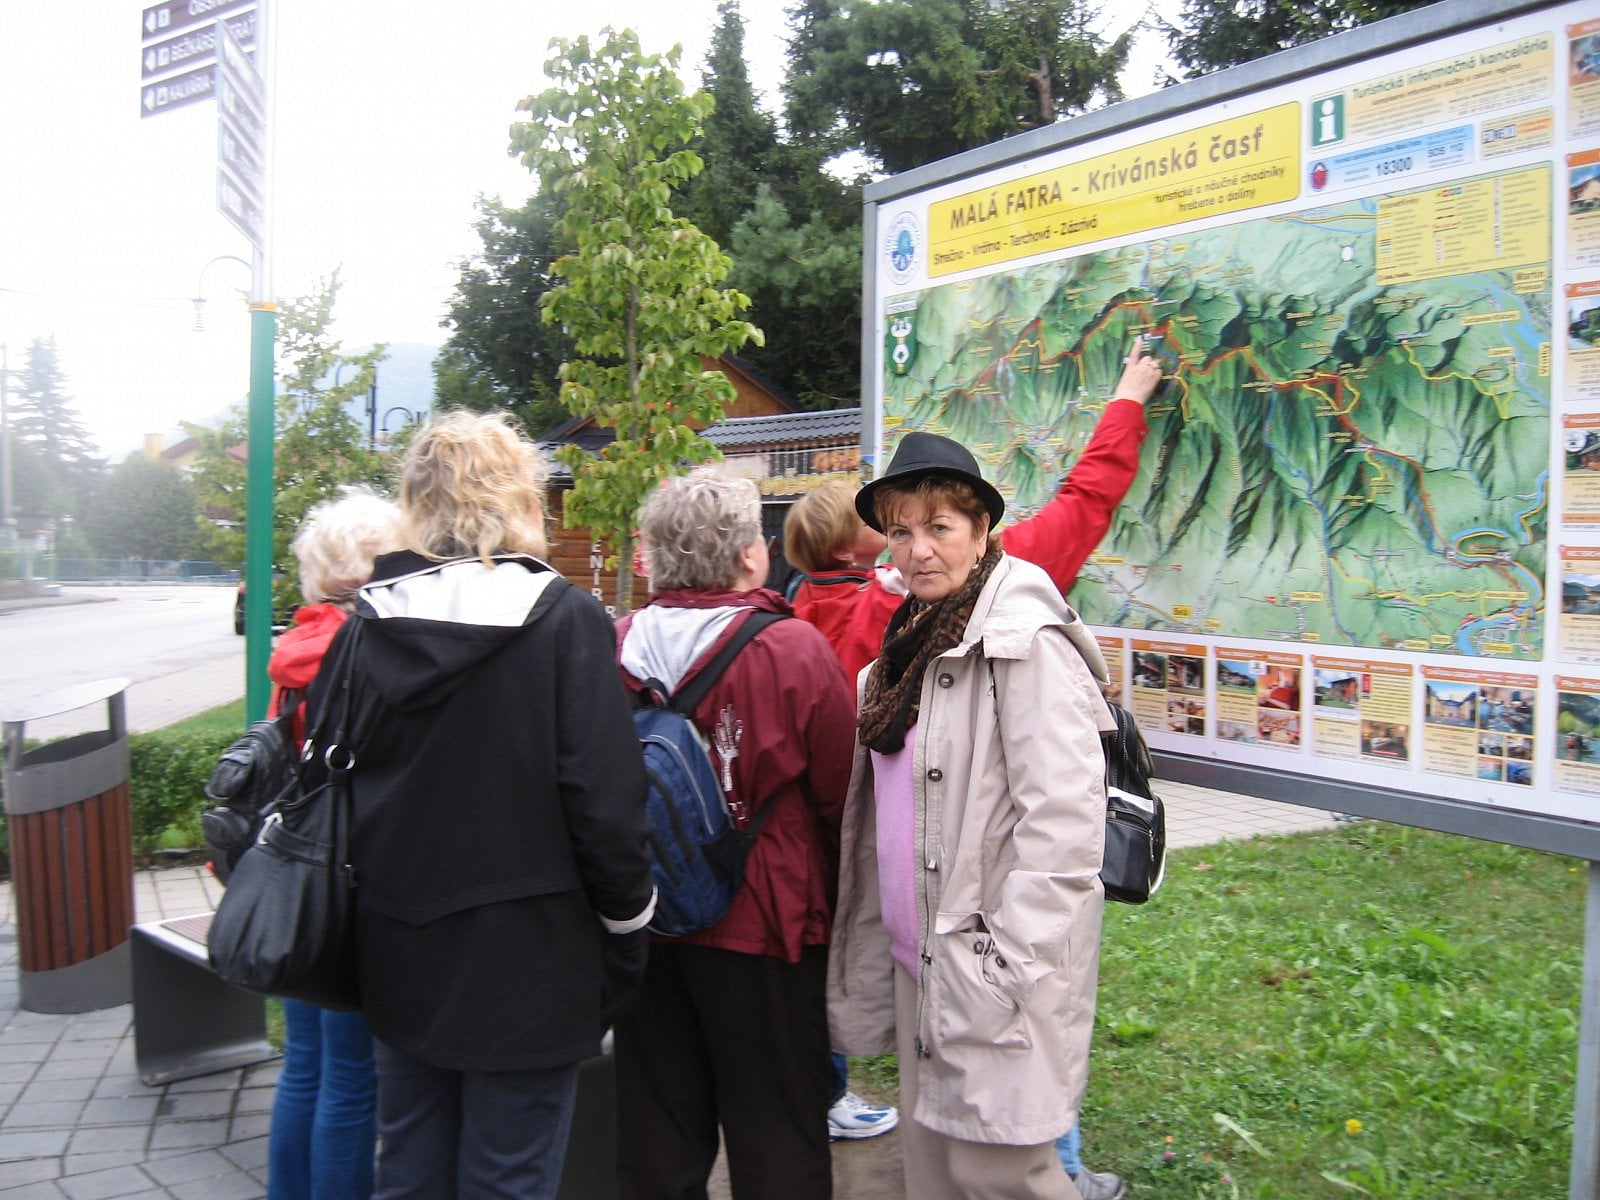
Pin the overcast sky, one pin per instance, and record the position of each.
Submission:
(390, 118)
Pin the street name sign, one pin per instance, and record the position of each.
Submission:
(177, 92)
(196, 48)
(162, 20)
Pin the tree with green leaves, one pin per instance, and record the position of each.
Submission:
(792, 230)
(1213, 34)
(501, 353)
(910, 81)
(46, 429)
(804, 284)
(319, 446)
(738, 142)
(145, 508)
(639, 294)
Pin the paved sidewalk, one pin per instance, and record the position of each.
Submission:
(77, 1124)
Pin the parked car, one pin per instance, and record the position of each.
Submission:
(281, 617)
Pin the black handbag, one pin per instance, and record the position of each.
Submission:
(286, 923)
(1135, 859)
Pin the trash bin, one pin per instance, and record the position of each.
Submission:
(71, 834)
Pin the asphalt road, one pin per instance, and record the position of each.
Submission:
(175, 644)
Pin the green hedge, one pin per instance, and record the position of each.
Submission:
(168, 771)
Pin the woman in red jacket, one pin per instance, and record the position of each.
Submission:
(851, 601)
(323, 1132)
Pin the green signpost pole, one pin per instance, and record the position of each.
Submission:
(259, 510)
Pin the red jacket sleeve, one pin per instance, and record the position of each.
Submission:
(1062, 535)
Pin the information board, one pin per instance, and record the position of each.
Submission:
(1364, 540)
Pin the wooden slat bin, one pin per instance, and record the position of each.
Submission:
(71, 839)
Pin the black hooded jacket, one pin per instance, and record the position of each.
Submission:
(500, 828)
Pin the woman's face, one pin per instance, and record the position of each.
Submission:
(935, 546)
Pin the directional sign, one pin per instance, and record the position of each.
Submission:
(193, 49)
(243, 165)
(241, 138)
(177, 92)
(245, 214)
(238, 69)
(162, 20)
(249, 124)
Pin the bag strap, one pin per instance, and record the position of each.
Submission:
(333, 712)
(1128, 763)
(688, 696)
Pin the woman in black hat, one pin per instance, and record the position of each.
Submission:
(968, 926)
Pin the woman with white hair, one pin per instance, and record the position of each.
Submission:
(322, 1135)
(730, 1031)
(499, 826)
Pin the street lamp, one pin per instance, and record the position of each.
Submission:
(410, 420)
(199, 300)
(372, 403)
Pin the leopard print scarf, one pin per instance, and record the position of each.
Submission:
(917, 634)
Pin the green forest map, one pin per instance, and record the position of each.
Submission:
(1335, 461)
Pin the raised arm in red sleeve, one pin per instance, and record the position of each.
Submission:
(1062, 535)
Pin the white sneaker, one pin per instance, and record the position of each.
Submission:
(1099, 1186)
(853, 1117)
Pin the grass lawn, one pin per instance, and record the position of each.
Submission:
(1368, 1010)
(225, 718)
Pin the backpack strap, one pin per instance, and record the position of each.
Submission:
(687, 698)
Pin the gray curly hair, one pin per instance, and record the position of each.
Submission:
(695, 528)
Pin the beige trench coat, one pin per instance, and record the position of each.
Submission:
(1010, 827)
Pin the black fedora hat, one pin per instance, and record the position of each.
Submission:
(922, 454)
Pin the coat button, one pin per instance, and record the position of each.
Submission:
(932, 865)
(946, 679)
(935, 774)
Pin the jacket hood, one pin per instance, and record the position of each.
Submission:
(428, 624)
(1032, 602)
(676, 629)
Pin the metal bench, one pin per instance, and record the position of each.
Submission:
(186, 1021)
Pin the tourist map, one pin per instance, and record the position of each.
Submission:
(1352, 449)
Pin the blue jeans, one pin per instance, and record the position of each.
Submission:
(841, 1076)
(324, 1114)
(1070, 1147)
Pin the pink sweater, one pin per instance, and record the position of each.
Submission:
(896, 805)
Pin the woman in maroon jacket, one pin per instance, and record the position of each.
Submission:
(730, 1029)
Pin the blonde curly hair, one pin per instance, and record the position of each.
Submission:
(472, 484)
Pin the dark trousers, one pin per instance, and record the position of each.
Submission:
(733, 1040)
(470, 1135)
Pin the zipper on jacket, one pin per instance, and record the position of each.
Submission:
(928, 864)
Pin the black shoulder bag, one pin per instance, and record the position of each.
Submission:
(286, 923)
(1136, 821)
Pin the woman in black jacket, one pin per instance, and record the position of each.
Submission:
(499, 835)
